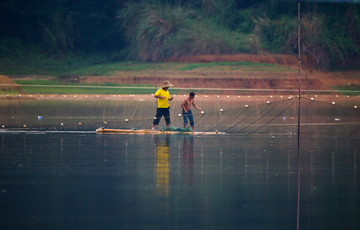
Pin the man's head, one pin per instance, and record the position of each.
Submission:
(192, 95)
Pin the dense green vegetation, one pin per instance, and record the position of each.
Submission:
(52, 34)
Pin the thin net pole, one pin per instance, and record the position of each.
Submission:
(298, 140)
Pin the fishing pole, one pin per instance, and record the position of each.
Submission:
(298, 139)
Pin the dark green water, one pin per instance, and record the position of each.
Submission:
(57, 173)
(83, 180)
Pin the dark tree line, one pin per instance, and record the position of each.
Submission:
(61, 26)
(158, 29)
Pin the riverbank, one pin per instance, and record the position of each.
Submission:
(211, 74)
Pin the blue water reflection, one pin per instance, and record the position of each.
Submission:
(84, 180)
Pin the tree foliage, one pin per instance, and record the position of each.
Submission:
(58, 27)
(152, 30)
(151, 27)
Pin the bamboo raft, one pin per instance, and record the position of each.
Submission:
(150, 131)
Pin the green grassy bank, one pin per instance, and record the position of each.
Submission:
(47, 76)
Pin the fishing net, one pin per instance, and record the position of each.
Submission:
(233, 114)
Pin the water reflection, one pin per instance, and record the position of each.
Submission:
(188, 160)
(162, 169)
(162, 164)
(355, 166)
(187, 182)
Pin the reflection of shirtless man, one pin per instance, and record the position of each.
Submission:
(186, 108)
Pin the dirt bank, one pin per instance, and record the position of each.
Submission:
(282, 74)
(6, 84)
(217, 82)
(284, 77)
(258, 58)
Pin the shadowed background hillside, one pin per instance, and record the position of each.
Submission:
(87, 32)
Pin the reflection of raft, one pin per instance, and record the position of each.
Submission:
(150, 131)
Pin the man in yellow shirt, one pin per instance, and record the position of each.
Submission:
(163, 108)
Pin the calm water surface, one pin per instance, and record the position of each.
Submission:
(83, 180)
(57, 173)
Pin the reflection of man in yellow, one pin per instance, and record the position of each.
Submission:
(162, 165)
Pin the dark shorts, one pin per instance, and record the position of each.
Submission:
(162, 112)
(188, 116)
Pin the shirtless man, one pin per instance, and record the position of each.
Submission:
(186, 110)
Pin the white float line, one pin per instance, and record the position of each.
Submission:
(303, 124)
(45, 131)
(323, 123)
(50, 117)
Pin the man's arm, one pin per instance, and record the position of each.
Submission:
(157, 96)
(198, 108)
